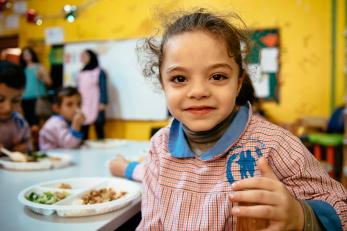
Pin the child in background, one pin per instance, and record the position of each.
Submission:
(63, 130)
(217, 163)
(14, 130)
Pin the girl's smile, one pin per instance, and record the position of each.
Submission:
(200, 110)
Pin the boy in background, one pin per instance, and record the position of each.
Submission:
(14, 130)
(63, 130)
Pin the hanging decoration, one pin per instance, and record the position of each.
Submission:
(31, 16)
(4, 4)
(69, 12)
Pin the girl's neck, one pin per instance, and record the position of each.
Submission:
(204, 140)
(30, 63)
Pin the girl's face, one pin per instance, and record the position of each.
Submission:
(200, 80)
(85, 57)
(69, 106)
(10, 99)
(27, 56)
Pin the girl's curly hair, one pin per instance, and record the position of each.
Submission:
(151, 52)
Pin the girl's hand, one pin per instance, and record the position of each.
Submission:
(118, 165)
(269, 200)
(42, 74)
(77, 120)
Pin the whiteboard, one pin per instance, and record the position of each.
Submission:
(131, 96)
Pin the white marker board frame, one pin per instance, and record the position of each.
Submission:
(131, 96)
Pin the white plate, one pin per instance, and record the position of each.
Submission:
(43, 164)
(71, 206)
(104, 144)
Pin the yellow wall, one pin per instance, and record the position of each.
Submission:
(305, 27)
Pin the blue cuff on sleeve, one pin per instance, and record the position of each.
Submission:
(325, 214)
(130, 169)
(76, 133)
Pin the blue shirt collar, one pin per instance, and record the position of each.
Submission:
(179, 147)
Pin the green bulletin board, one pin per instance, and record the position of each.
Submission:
(263, 63)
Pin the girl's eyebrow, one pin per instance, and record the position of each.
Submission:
(217, 65)
(175, 67)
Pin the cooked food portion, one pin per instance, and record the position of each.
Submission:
(36, 156)
(47, 198)
(101, 196)
(64, 186)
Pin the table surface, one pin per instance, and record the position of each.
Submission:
(86, 163)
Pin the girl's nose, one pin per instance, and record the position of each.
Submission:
(198, 89)
(7, 106)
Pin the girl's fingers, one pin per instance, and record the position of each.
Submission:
(265, 169)
(273, 227)
(255, 196)
(257, 211)
(256, 183)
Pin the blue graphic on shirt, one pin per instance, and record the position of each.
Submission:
(229, 172)
(259, 153)
(246, 163)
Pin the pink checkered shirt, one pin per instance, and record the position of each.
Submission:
(191, 193)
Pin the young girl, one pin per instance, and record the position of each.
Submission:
(63, 130)
(91, 82)
(36, 80)
(217, 164)
(14, 130)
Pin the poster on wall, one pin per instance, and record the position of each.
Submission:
(263, 63)
(54, 35)
(131, 96)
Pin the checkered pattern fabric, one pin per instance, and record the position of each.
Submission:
(192, 194)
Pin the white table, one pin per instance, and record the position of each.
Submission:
(87, 163)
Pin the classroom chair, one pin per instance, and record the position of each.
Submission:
(331, 141)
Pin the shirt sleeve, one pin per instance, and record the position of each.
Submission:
(103, 87)
(59, 135)
(26, 139)
(151, 205)
(307, 180)
(135, 171)
(23, 139)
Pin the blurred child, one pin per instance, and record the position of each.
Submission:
(63, 130)
(218, 164)
(14, 130)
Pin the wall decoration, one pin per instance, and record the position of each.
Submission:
(263, 63)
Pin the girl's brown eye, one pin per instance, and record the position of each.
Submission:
(219, 77)
(178, 79)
